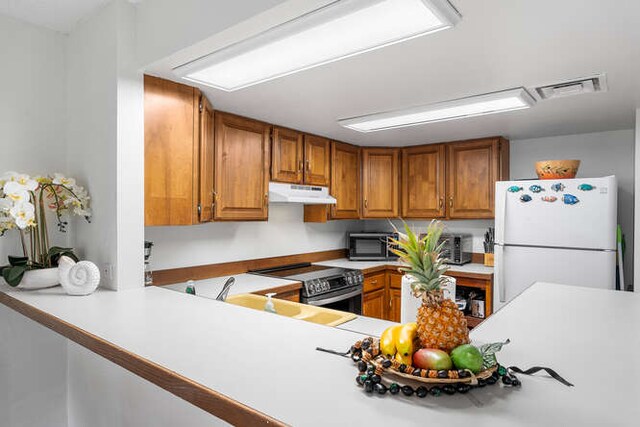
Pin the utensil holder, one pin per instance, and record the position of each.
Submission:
(488, 260)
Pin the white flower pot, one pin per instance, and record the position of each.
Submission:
(39, 279)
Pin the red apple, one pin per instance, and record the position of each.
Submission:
(430, 358)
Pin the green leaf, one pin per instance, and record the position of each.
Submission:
(489, 351)
(493, 347)
(17, 260)
(13, 274)
(56, 252)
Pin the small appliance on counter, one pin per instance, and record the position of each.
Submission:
(331, 287)
(148, 275)
(457, 248)
(371, 246)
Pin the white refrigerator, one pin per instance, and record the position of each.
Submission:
(557, 231)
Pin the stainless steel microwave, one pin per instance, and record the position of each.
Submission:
(369, 246)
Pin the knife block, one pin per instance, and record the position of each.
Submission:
(488, 260)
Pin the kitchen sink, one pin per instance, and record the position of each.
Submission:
(295, 310)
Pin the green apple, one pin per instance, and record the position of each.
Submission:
(429, 358)
(468, 357)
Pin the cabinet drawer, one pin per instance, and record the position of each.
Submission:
(373, 282)
(395, 280)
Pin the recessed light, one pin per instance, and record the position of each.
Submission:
(339, 30)
(491, 103)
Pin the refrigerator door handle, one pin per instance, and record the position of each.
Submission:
(501, 213)
(499, 273)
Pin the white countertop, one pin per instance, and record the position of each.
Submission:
(270, 363)
(364, 265)
(244, 284)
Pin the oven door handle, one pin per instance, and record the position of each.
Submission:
(336, 298)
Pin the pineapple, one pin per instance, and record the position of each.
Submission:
(441, 324)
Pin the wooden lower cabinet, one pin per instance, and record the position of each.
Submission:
(382, 295)
(374, 304)
(394, 305)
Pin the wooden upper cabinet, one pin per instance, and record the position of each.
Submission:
(178, 154)
(242, 152)
(287, 157)
(206, 160)
(473, 169)
(380, 182)
(345, 181)
(317, 154)
(423, 181)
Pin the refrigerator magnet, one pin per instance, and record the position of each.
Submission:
(557, 187)
(569, 199)
(536, 189)
(525, 198)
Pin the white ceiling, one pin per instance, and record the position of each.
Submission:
(498, 45)
(57, 15)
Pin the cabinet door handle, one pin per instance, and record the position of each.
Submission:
(441, 202)
(373, 282)
(266, 199)
(301, 166)
(366, 204)
(308, 166)
(451, 201)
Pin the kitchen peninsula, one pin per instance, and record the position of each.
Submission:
(210, 362)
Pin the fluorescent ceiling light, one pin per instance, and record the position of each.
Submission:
(496, 102)
(341, 29)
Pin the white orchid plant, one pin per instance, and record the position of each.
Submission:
(24, 201)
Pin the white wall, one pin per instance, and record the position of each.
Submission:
(32, 109)
(33, 373)
(602, 154)
(105, 141)
(103, 394)
(284, 234)
(636, 257)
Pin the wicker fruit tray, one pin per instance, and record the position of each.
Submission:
(472, 379)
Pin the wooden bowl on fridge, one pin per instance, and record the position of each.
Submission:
(557, 169)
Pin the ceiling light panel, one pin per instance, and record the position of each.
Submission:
(343, 28)
(496, 102)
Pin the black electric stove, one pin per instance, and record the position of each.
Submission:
(332, 287)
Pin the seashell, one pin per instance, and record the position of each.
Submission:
(78, 278)
(525, 198)
(514, 189)
(557, 187)
(549, 199)
(536, 189)
(570, 199)
(586, 187)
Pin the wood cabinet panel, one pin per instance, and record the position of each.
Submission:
(287, 156)
(241, 168)
(373, 282)
(171, 147)
(345, 181)
(473, 169)
(374, 303)
(206, 160)
(395, 280)
(380, 182)
(394, 305)
(423, 181)
(317, 154)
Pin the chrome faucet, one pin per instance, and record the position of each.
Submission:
(225, 289)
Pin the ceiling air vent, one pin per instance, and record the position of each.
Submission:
(581, 86)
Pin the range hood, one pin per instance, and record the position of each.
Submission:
(295, 193)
